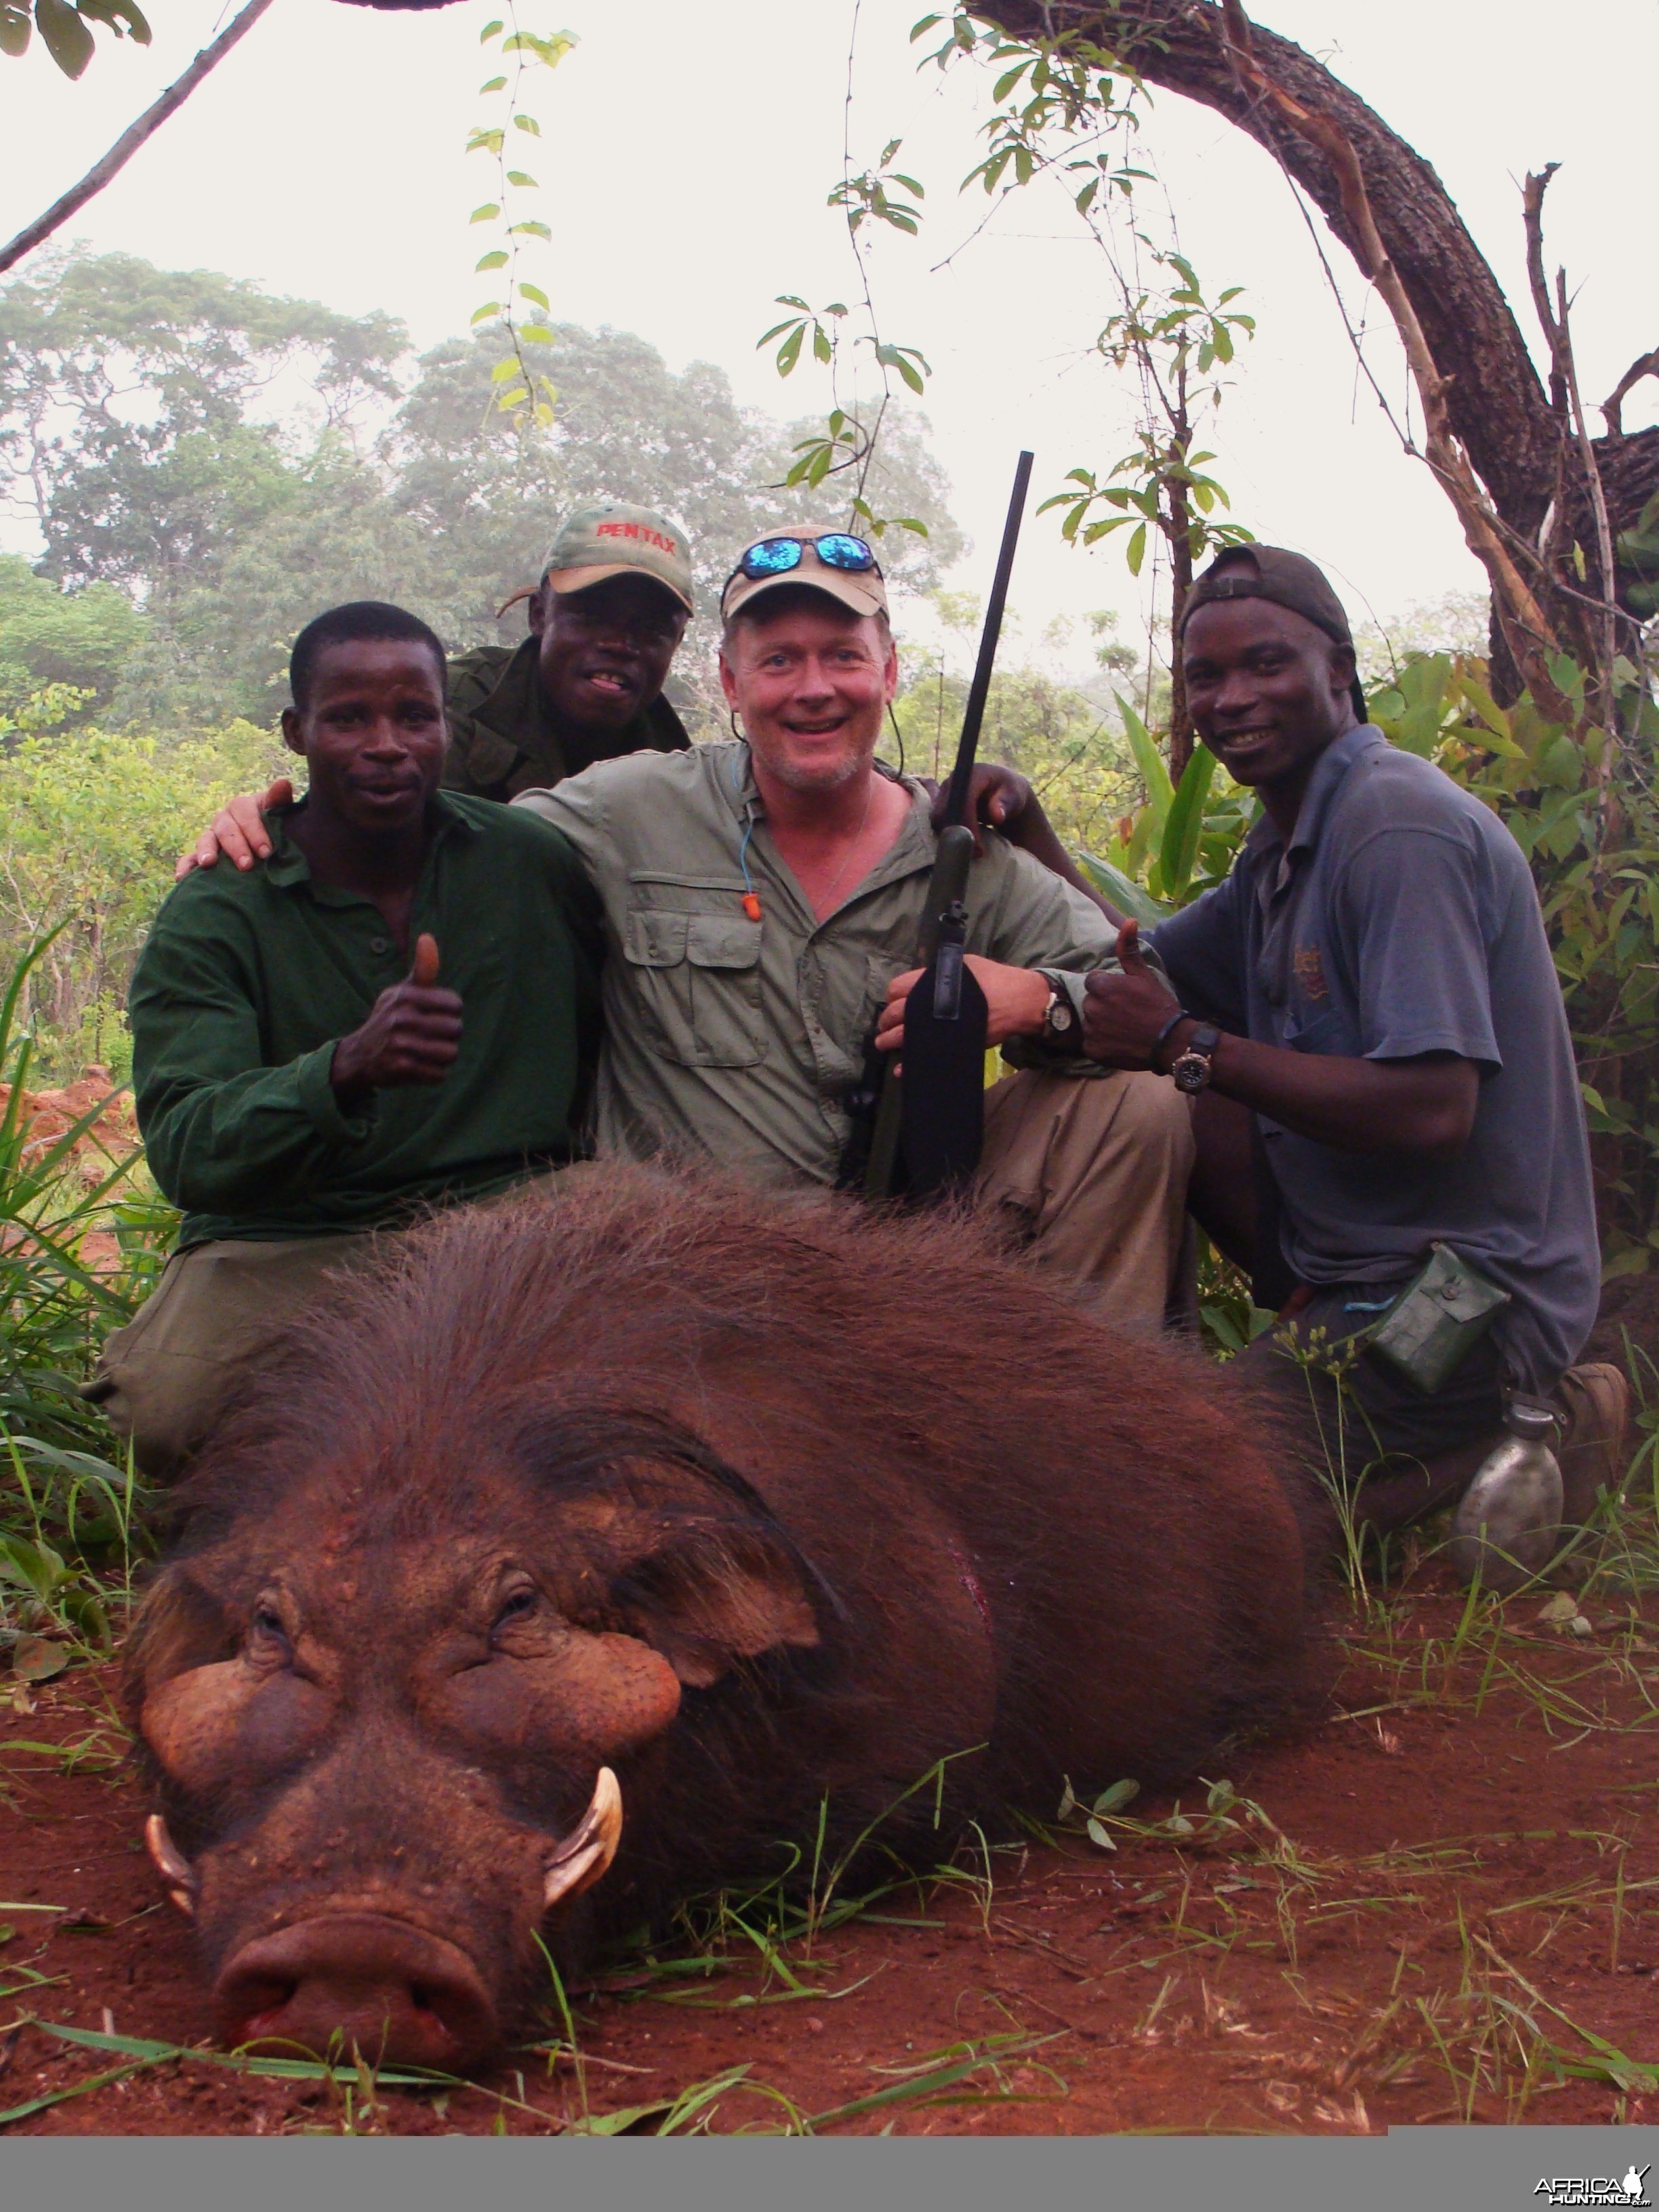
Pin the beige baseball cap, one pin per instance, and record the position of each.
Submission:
(791, 558)
(596, 543)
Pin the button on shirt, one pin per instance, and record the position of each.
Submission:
(738, 1038)
(247, 982)
(1401, 920)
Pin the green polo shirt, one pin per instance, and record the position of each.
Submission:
(504, 738)
(247, 982)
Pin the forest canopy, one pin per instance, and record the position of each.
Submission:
(205, 464)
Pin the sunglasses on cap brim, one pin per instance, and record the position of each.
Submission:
(776, 556)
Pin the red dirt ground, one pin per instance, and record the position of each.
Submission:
(1466, 1842)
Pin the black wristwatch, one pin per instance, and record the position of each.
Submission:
(1192, 1070)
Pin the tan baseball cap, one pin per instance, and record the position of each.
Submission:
(596, 543)
(859, 588)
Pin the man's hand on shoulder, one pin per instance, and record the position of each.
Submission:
(1124, 1011)
(238, 832)
(412, 1035)
(999, 798)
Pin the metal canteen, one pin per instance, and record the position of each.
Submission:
(1508, 1525)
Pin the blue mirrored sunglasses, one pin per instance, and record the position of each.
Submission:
(776, 556)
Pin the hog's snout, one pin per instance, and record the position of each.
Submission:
(399, 1995)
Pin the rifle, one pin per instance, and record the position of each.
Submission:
(921, 1133)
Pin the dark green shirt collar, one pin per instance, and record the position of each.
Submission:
(288, 864)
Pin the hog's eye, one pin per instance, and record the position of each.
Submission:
(266, 1629)
(517, 1605)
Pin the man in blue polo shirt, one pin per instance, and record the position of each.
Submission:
(1374, 983)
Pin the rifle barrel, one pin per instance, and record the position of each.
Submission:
(979, 692)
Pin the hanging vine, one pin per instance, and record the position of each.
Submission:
(514, 383)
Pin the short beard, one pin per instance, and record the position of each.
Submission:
(831, 777)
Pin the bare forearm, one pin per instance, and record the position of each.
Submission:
(1419, 1106)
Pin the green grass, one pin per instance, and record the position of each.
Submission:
(74, 1519)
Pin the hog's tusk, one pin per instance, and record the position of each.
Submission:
(587, 1851)
(170, 1862)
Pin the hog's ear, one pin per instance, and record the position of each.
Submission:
(713, 1600)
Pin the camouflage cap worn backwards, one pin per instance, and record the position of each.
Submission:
(596, 543)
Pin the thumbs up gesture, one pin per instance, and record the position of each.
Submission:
(412, 1035)
(1125, 1008)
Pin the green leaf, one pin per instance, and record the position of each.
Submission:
(119, 15)
(496, 260)
(536, 334)
(491, 30)
(1098, 1835)
(519, 177)
(527, 122)
(1181, 832)
(67, 38)
(490, 308)
(529, 230)
(492, 84)
(534, 292)
(1136, 552)
(1148, 759)
(1115, 1799)
(503, 369)
(1125, 893)
(487, 213)
(35, 1660)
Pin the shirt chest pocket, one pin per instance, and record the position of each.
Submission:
(694, 980)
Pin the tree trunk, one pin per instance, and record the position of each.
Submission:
(1499, 407)
(1181, 576)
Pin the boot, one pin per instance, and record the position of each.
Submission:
(1592, 1411)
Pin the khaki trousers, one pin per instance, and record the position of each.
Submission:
(162, 1378)
(1094, 1170)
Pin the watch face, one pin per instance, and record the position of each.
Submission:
(1059, 1017)
(1191, 1072)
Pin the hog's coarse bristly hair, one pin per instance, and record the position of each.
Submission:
(1120, 1518)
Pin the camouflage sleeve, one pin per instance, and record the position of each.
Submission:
(472, 678)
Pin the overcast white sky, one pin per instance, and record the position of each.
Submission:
(687, 154)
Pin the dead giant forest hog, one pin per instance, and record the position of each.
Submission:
(728, 1503)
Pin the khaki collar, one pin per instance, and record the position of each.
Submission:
(732, 768)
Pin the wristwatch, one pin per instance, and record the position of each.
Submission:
(1059, 1017)
(1193, 1071)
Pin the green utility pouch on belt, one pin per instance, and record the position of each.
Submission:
(1437, 1321)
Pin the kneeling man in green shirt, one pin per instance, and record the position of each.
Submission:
(305, 1081)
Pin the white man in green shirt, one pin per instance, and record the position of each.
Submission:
(762, 898)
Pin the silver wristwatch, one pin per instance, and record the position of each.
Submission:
(1060, 1023)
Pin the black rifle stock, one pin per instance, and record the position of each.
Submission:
(949, 991)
